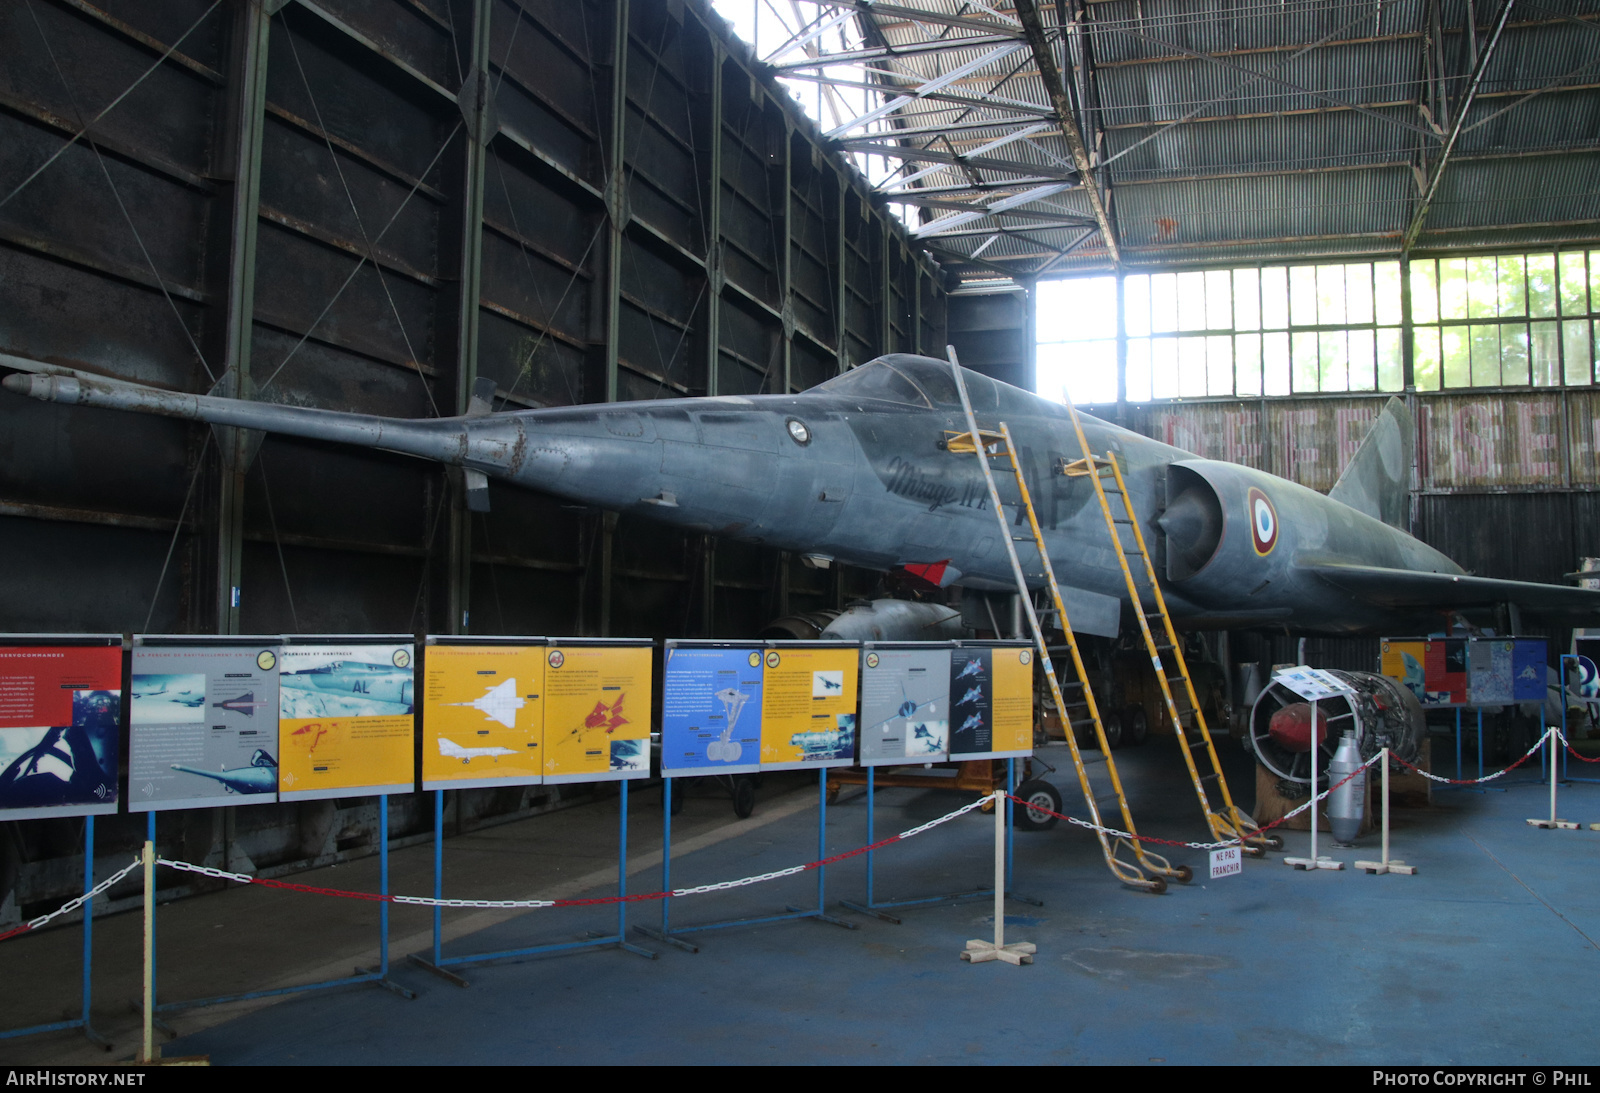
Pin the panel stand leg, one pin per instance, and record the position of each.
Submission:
(1011, 835)
(674, 937)
(88, 934)
(440, 964)
(436, 965)
(664, 932)
(869, 907)
(380, 974)
(875, 907)
(821, 914)
(622, 881)
(82, 1021)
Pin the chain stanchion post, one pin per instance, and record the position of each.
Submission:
(150, 1052)
(1386, 865)
(1315, 861)
(1555, 738)
(979, 951)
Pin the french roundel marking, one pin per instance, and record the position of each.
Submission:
(1263, 522)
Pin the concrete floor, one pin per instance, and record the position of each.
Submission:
(1486, 956)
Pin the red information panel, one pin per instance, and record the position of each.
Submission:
(60, 716)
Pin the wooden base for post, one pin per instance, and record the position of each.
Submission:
(1318, 862)
(1018, 952)
(1548, 825)
(1378, 868)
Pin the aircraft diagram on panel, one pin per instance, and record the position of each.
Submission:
(499, 703)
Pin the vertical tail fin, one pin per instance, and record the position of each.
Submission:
(1378, 480)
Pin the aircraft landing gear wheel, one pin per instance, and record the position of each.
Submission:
(744, 797)
(1275, 842)
(1036, 792)
(1114, 734)
(1135, 726)
(1185, 874)
(1158, 885)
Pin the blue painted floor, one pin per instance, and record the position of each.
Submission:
(1487, 956)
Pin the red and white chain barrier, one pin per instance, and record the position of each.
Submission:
(1529, 754)
(528, 904)
(72, 905)
(721, 886)
(1130, 837)
(1572, 751)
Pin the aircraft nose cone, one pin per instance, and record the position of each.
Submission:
(1193, 523)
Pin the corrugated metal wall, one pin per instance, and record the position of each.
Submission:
(365, 205)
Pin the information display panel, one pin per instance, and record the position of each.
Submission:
(60, 724)
(203, 722)
(1013, 700)
(711, 702)
(346, 717)
(809, 706)
(597, 709)
(1433, 669)
(1503, 671)
(905, 703)
(991, 700)
(482, 712)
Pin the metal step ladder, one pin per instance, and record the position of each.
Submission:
(1148, 871)
(1163, 644)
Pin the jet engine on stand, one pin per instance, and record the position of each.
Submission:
(1381, 713)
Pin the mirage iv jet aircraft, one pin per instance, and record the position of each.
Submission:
(856, 470)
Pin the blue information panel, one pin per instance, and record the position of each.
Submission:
(1506, 670)
(711, 708)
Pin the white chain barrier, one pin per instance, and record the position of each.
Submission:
(72, 905)
(526, 904)
(1128, 835)
(722, 886)
(1537, 744)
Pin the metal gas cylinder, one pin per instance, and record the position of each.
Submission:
(1346, 804)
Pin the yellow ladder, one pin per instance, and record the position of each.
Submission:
(1106, 475)
(987, 444)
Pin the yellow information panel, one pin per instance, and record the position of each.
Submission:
(1013, 701)
(346, 718)
(808, 713)
(597, 710)
(482, 714)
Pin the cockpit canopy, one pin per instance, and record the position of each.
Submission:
(926, 383)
